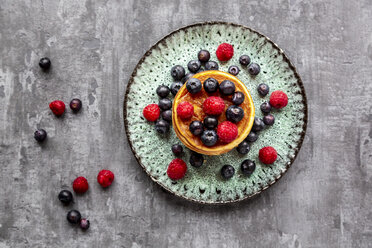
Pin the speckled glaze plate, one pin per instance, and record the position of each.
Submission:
(204, 184)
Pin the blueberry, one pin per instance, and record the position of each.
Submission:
(65, 196)
(234, 113)
(162, 126)
(177, 149)
(210, 85)
(194, 65)
(254, 69)
(258, 124)
(252, 137)
(75, 105)
(84, 224)
(175, 87)
(196, 159)
(193, 85)
(244, 60)
(209, 137)
(243, 148)
(45, 63)
(210, 122)
(177, 72)
(165, 104)
(227, 171)
(200, 70)
(204, 56)
(211, 65)
(40, 135)
(187, 77)
(167, 115)
(162, 91)
(247, 167)
(196, 127)
(227, 88)
(233, 70)
(263, 89)
(269, 119)
(73, 216)
(265, 107)
(238, 98)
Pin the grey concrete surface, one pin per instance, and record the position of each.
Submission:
(324, 200)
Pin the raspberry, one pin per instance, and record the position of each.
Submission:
(105, 178)
(185, 110)
(278, 99)
(225, 52)
(80, 185)
(267, 155)
(57, 107)
(176, 169)
(151, 112)
(227, 131)
(213, 105)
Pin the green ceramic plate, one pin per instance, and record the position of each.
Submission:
(204, 184)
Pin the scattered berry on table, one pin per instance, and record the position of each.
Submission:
(258, 124)
(105, 178)
(80, 185)
(278, 99)
(210, 85)
(167, 115)
(165, 104)
(175, 87)
(263, 89)
(213, 105)
(193, 85)
(227, 131)
(196, 159)
(247, 167)
(234, 113)
(185, 110)
(74, 216)
(84, 224)
(57, 107)
(233, 70)
(227, 87)
(45, 63)
(187, 77)
(176, 169)
(252, 137)
(269, 119)
(238, 98)
(224, 52)
(211, 65)
(209, 137)
(177, 72)
(254, 69)
(151, 112)
(194, 65)
(162, 126)
(227, 171)
(244, 60)
(162, 91)
(177, 149)
(65, 196)
(267, 155)
(196, 127)
(243, 148)
(75, 105)
(210, 122)
(265, 107)
(40, 135)
(204, 56)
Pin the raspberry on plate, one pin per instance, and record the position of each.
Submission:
(151, 112)
(267, 155)
(176, 169)
(185, 110)
(105, 178)
(57, 107)
(213, 105)
(278, 99)
(225, 52)
(227, 131)
(80, 185)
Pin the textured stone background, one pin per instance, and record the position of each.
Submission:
(323, 201)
